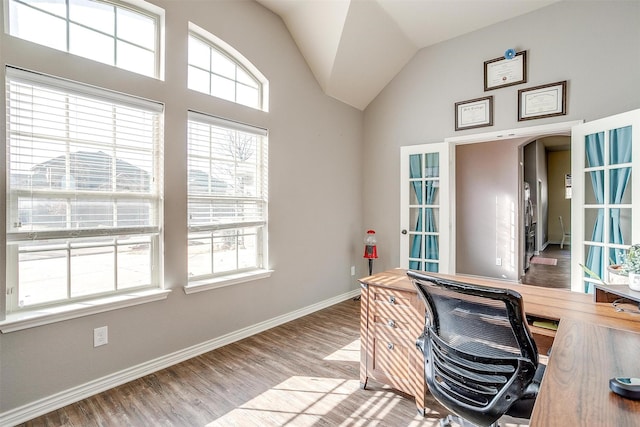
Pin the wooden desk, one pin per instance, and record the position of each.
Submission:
(593, 343)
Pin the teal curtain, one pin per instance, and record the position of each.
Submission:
(431, 241)
(594, 145)
(620, 153)
(415, 171)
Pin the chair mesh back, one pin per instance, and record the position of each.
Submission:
(474, 324)
(479, 354)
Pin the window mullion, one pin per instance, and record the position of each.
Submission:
(68, 25)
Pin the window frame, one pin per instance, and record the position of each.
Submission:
(238, 275)
(139, 7)
(88, 236)
(240, 62)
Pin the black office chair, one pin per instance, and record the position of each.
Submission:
(480, 359)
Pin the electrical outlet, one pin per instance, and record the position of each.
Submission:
(353, 270)
(100, 336)
(498, 261)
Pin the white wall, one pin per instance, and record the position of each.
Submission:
(593, 45)
(315, 155)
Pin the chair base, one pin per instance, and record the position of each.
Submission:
(456, 421)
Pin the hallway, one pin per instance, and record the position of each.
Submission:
(551, 276)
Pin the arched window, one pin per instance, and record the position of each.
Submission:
(217, 69)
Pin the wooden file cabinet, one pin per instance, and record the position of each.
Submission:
(390, 321)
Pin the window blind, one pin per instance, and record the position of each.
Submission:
(82, 161)
(227, 163)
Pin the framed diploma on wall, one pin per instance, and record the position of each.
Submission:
(502, 72)
(474, 113)
(542, 101)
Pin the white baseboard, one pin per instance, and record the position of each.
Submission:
(56, 401)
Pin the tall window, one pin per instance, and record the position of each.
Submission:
(83, 191)
(216, 72)
(124, 37)
(227, 192)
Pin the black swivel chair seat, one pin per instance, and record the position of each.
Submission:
(480, 359)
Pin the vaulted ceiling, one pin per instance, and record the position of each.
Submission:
(355, 47)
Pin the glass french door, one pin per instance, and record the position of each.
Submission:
(606, 195)
(424, 194)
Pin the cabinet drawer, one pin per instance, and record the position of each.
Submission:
(391, 361)
(396, 311)
(393, 324)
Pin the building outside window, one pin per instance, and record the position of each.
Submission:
(84, 191)
(227, 198)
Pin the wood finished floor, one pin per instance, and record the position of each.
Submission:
(551, 276)
(303, 373)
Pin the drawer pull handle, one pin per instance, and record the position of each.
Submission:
(391, 324)
(390, 346)
(392, 299)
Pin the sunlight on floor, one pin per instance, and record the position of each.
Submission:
(302, 401)
(348, 353)
(307, 401)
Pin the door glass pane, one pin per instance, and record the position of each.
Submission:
(590, 231)
(431, 220)
(415, 219)
(594, 150)
(615, 256)
(620, 146)
(431, 247)
(620, 226)
(593, 261)
(432, 165)
(594, 187)
(620, 186)
(415, 166)
(415, 193)
(431, 267)
(432, 195)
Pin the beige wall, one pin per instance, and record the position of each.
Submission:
(559, 164)
(486, 199)
(315, 216)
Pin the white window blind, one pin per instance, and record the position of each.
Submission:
(84, 188)
(227, 196)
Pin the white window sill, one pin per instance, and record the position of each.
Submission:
(43, 316)
(221, 282)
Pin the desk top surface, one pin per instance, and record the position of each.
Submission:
(593, 343)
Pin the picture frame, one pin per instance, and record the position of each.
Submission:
(474, 113)
(501, 72)
(538, 102)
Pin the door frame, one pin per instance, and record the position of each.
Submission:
(531, 132)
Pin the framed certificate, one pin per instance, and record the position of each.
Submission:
(542, 101)
(502, 72)
(474, 113)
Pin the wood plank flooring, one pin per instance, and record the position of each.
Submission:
(551, 276)
(303, 373)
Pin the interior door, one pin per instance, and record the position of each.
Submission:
(425, 211)
(606, 195)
